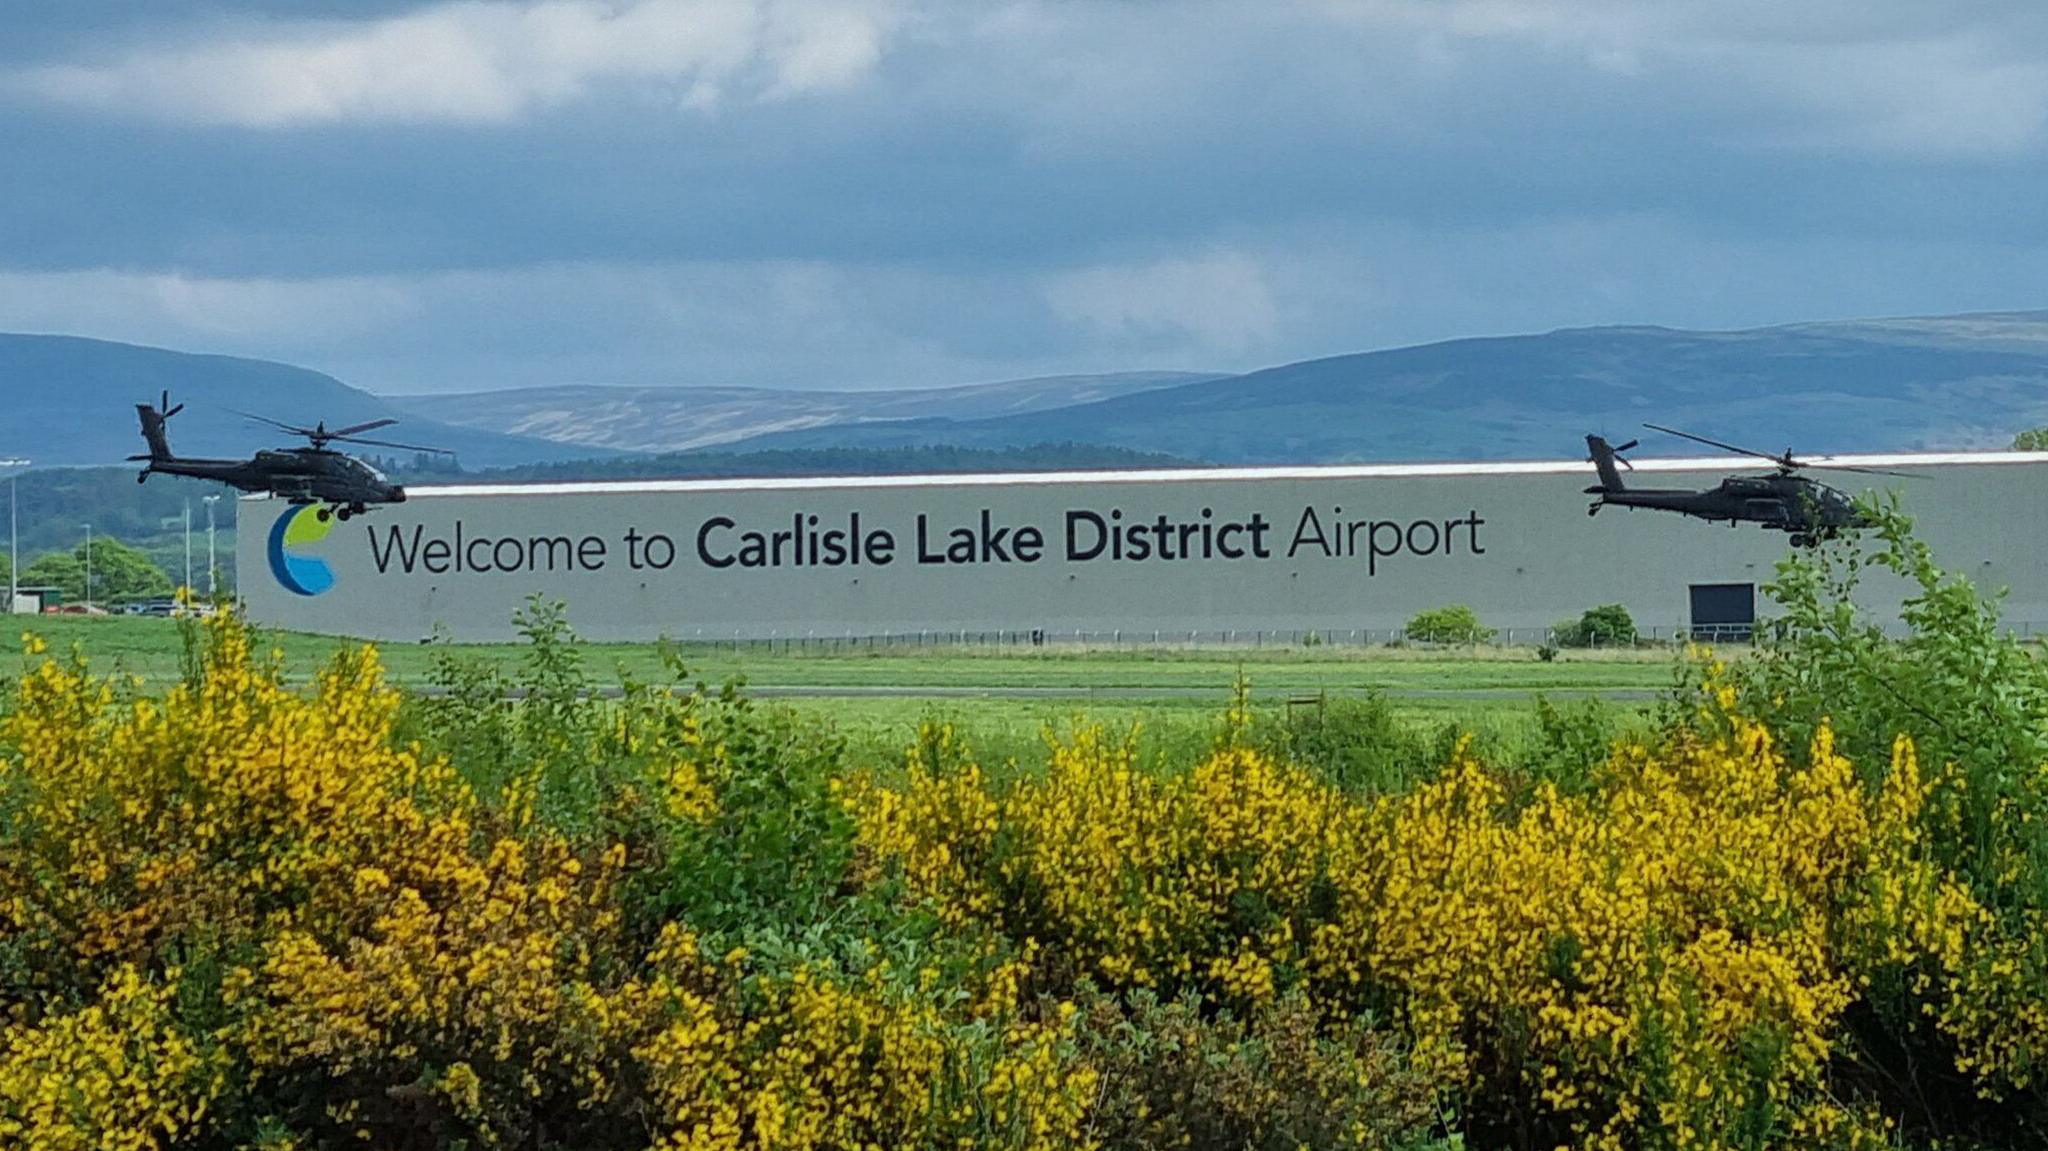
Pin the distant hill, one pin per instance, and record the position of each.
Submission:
(1936, 382)
(837, 462)
(66, 400)
(667, 419)
(1899, 384)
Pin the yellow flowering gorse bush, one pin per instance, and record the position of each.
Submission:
(1674, 950)
(244, 904)
(114, 1075)
(1136, 879)
(243, 914)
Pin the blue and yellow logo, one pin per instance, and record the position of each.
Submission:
(297, 528)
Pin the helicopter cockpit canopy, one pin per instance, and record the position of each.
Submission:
(1833, 501)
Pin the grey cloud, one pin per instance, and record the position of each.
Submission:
(1017, 188)
(1290, 293)
(462, 61)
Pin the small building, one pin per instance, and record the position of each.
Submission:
(32, 600)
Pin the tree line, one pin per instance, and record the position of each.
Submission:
(138, 532)
(120, 573)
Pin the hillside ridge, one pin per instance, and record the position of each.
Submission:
(1919, 383)
(70, 402)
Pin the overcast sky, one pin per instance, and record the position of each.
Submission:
(868, 193)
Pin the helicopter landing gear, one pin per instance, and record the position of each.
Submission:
(342, 512)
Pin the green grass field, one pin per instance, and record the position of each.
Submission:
(150, 648)
(1006, 698)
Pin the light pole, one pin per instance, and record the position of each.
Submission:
(212, 569)
(88, 569)
(13, 537)
(188, 547)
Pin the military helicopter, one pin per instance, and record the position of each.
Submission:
(1782, 501)
(312, 474)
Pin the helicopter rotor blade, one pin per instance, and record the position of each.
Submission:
(1865, 471)
(354, 429)
(279, 424)
(1785, 461)
(391, 444)
(1629, 446)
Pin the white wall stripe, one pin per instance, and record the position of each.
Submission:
(1181, 475)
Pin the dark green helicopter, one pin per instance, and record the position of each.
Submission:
(1783, 501)
(312, 474)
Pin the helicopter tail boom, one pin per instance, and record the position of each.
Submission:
(153, 431)
(1604, 456)
(153, 421)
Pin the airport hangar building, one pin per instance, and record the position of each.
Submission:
(1214, 555)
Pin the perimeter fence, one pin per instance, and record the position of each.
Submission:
(1141, 639)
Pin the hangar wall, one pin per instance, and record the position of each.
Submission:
(1278, 549)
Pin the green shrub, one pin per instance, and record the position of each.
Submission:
(1572, 742)
(772, 853)
(726, 807)
(1608, 625)
(1456, 623)
(532, 722)
(1953, 951)
(1969, 694)
(1353, 743)
(1177, 1075)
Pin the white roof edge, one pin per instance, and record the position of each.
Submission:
(1183, 475)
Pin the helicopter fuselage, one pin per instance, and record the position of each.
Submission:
(308, 475)
(301, 475)
(1780, 502)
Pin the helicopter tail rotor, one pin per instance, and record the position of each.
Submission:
(164, 407)
(153, 420)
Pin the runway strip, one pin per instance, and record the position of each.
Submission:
(943, 691)
(905, 691)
